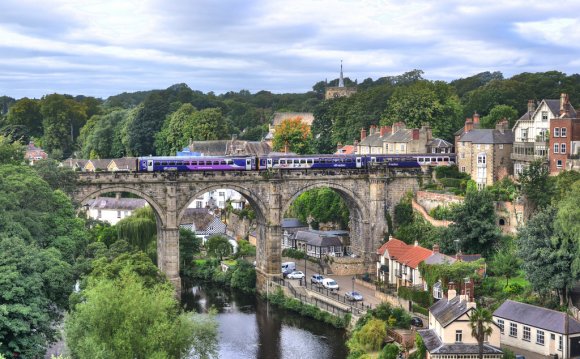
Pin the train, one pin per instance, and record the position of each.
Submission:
(289, 162)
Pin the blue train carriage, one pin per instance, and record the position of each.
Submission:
(290, 162)
(196, 163)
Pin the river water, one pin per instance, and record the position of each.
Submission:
(249, 327)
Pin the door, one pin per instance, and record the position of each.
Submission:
(269, 161)
(248, 164)
(358, 162)
(150, 165)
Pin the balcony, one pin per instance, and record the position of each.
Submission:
(529, 151)
(400, 273)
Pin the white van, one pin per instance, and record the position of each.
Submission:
(330, 284)
(288, 267)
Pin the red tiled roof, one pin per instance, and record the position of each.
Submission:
(382, 248)
(414, 255)
(395, 247)
(345, 150)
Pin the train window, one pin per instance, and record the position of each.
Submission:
(164, 163)
(276, 162)
(222, 162)
(302, 161)
(283, 162)
(157, 163)
(440, 159)
(349, 160)
(316, 161)
(309, 161)
(230, 162)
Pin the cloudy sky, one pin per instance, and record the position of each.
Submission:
(106, 47)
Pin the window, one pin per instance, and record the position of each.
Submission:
(99, 214)
(222, 194)
(500, 324)
(118, 214)
(556, 131)
(487, 147)
(544, 115)
(501, 147)
(513, 330)
(559, 163)
(526, 336)
(478, 147)
(563, 132)
(562, 148)
(481, 159)
(458, 336)
(462, 154)
(463, 169)
(556, 147)
(524, 134)
(540, 337)
(560, 343)
(198, 204)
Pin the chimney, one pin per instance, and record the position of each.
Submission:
(118, 196)
(373, 130)
(563, 101)
(468, 289)
(385, 130)
(451, 292)
(390, 237)
(475, 119)
(416, 243)
(338, 146)
(355, 143)
(502, 125)
(531, 106)
(415, 134)
(363, 134)
(468, 125)
(398, 126)
(435, 248)
(459, 256)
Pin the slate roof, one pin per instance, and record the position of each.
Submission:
(198, 216)
(470, 257)
(230, 147)
(292, 223)
(99, 163)
(373, 140)
(537, 317)
(439, 143)
(113, 203)
(403, 135)
(554, 106)
(72, 163)
(313, 238)
(446, 311)
(307, 117)
(440, 258)
(435, 346)
(486, 136)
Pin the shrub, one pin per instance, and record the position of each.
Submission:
(293, 253)
(451, 182)
(421, 297)
(420, 310)
(390, 351)
(513, 289)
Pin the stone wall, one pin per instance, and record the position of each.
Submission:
(239, 228)
(430, 200)
(348, 266)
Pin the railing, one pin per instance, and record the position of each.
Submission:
(334, 295)
(400, 273)
(529, 151)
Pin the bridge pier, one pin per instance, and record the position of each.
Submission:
(168, 255)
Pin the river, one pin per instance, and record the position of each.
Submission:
(249, 327)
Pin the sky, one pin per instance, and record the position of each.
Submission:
(103, 48)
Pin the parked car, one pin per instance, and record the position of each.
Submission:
(316, 279)
(353, 296)
(330, 284)
(295, 275)
(417, 322)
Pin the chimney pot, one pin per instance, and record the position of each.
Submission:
(435, 248)
(416, 134)
(531, 106)
(475, 118)
(363, 134)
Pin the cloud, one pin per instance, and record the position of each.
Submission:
(102, 48)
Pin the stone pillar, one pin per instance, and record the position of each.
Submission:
(168, 240)
(268, 254)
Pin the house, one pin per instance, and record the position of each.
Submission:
(34, 153)
(484, 153)
(398, 139)
(279, 117)
(289, 228)
(340, 90)
(537, 332)
(113, 209)
(125, 164)
(346, 149)
(203, 223)
(399, 262)
(227, 148)
(564, 139)
(74, 164)
(219, 198)
(449, 333)
(531, 134)
(319, 243)
(96, 165)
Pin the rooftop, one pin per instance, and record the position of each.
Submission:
(435, 346)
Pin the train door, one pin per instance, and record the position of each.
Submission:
(150, 165)
(269, 163)
(248, 164)
(358, 162)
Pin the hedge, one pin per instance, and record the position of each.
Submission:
(421, 297)
(451, 182)
(420, 310)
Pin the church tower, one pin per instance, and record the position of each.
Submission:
(340, 90)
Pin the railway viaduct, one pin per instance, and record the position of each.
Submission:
(369, 195)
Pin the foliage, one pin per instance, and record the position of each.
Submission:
(139, 230)
(103, 135)
(404, 212)
(322, 205)
(474, 225)
(567, 225)
(218, 246)
(421, 231)
(505, 264)
(189, 244)
(292, 135)
(244, 276)
(449, 272)
(33, 291)
(26, 113)
(245, 249)
(148, 121)
(62, 119)
(390, 351)
(498, 113)
(387, 313)
(124, 318)
(369, 337)
(293, 253)
(564, 181)
(421, 297)
(481, 324)
(112, 266)
(11, 152)
(57, 177)
(537, 185)
(504, 190)
(443, 212)
(450, 172)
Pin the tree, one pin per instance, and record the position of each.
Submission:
(546, 258)
(537, 185)
(26, 112)
(505, 264)
(174, 136)
(369, 337)
(101, 136)
(474, 225)
(292, 135)
(57, 177)
(498, 113)
(11, 152)
(62, 119)
(123, 318)
(480, 321)
(207, 124)
(320, 205)
(189, 244)
(148, 121)
(390, 351)
(567, 224)
(218, 246)
(140, 230)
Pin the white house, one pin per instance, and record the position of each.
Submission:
(537, 332)
(219, 198)
(203, 223)
(113, 209)
(399, 262)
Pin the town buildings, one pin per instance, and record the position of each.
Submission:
(202, 222)
(484, 153)
(564, 138)
(398, 139)
(537, 332)
(33, 153)
(113, 209)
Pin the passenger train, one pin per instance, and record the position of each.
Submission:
(288, 162)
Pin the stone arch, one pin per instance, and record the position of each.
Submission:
(157, 209)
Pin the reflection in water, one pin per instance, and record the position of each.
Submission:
(251, 328)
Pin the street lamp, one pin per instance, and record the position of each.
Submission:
(353, 279)
(305, 258)
(456, 246)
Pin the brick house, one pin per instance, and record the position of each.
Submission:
(484, 153)
(449, 333)
(537, 332)
(34, 153)
(564, 138)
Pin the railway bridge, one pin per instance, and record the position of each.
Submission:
(369, 194)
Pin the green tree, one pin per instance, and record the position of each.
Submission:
(567, 224)
(244, 276)
(101, 136)
(123, 318)
(369, 337)
(62, 119)
(321, 205)
(57, 177)
(140, 230)
(11, 152)
(176, 131)
(546, 258)
(218, 246)
(207, 124)
(292, 135)
(480, 321)
(189, 244)
(536, 185)
(498, 113)
(26, 112)
(390, 351)
(148, 121)
(474, 225)
(505, 264)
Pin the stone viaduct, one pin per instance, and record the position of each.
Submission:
(368, 194)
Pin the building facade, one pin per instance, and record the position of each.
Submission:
(398, 139)
(113, 209)
(398, 263)
(340, 90)
(564, 144)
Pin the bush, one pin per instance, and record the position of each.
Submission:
(390, 351)
(293, 253)
(420, 310)
(421, 297)
(244, 277)
(513, 289)
(449, 172)
(451, 182)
